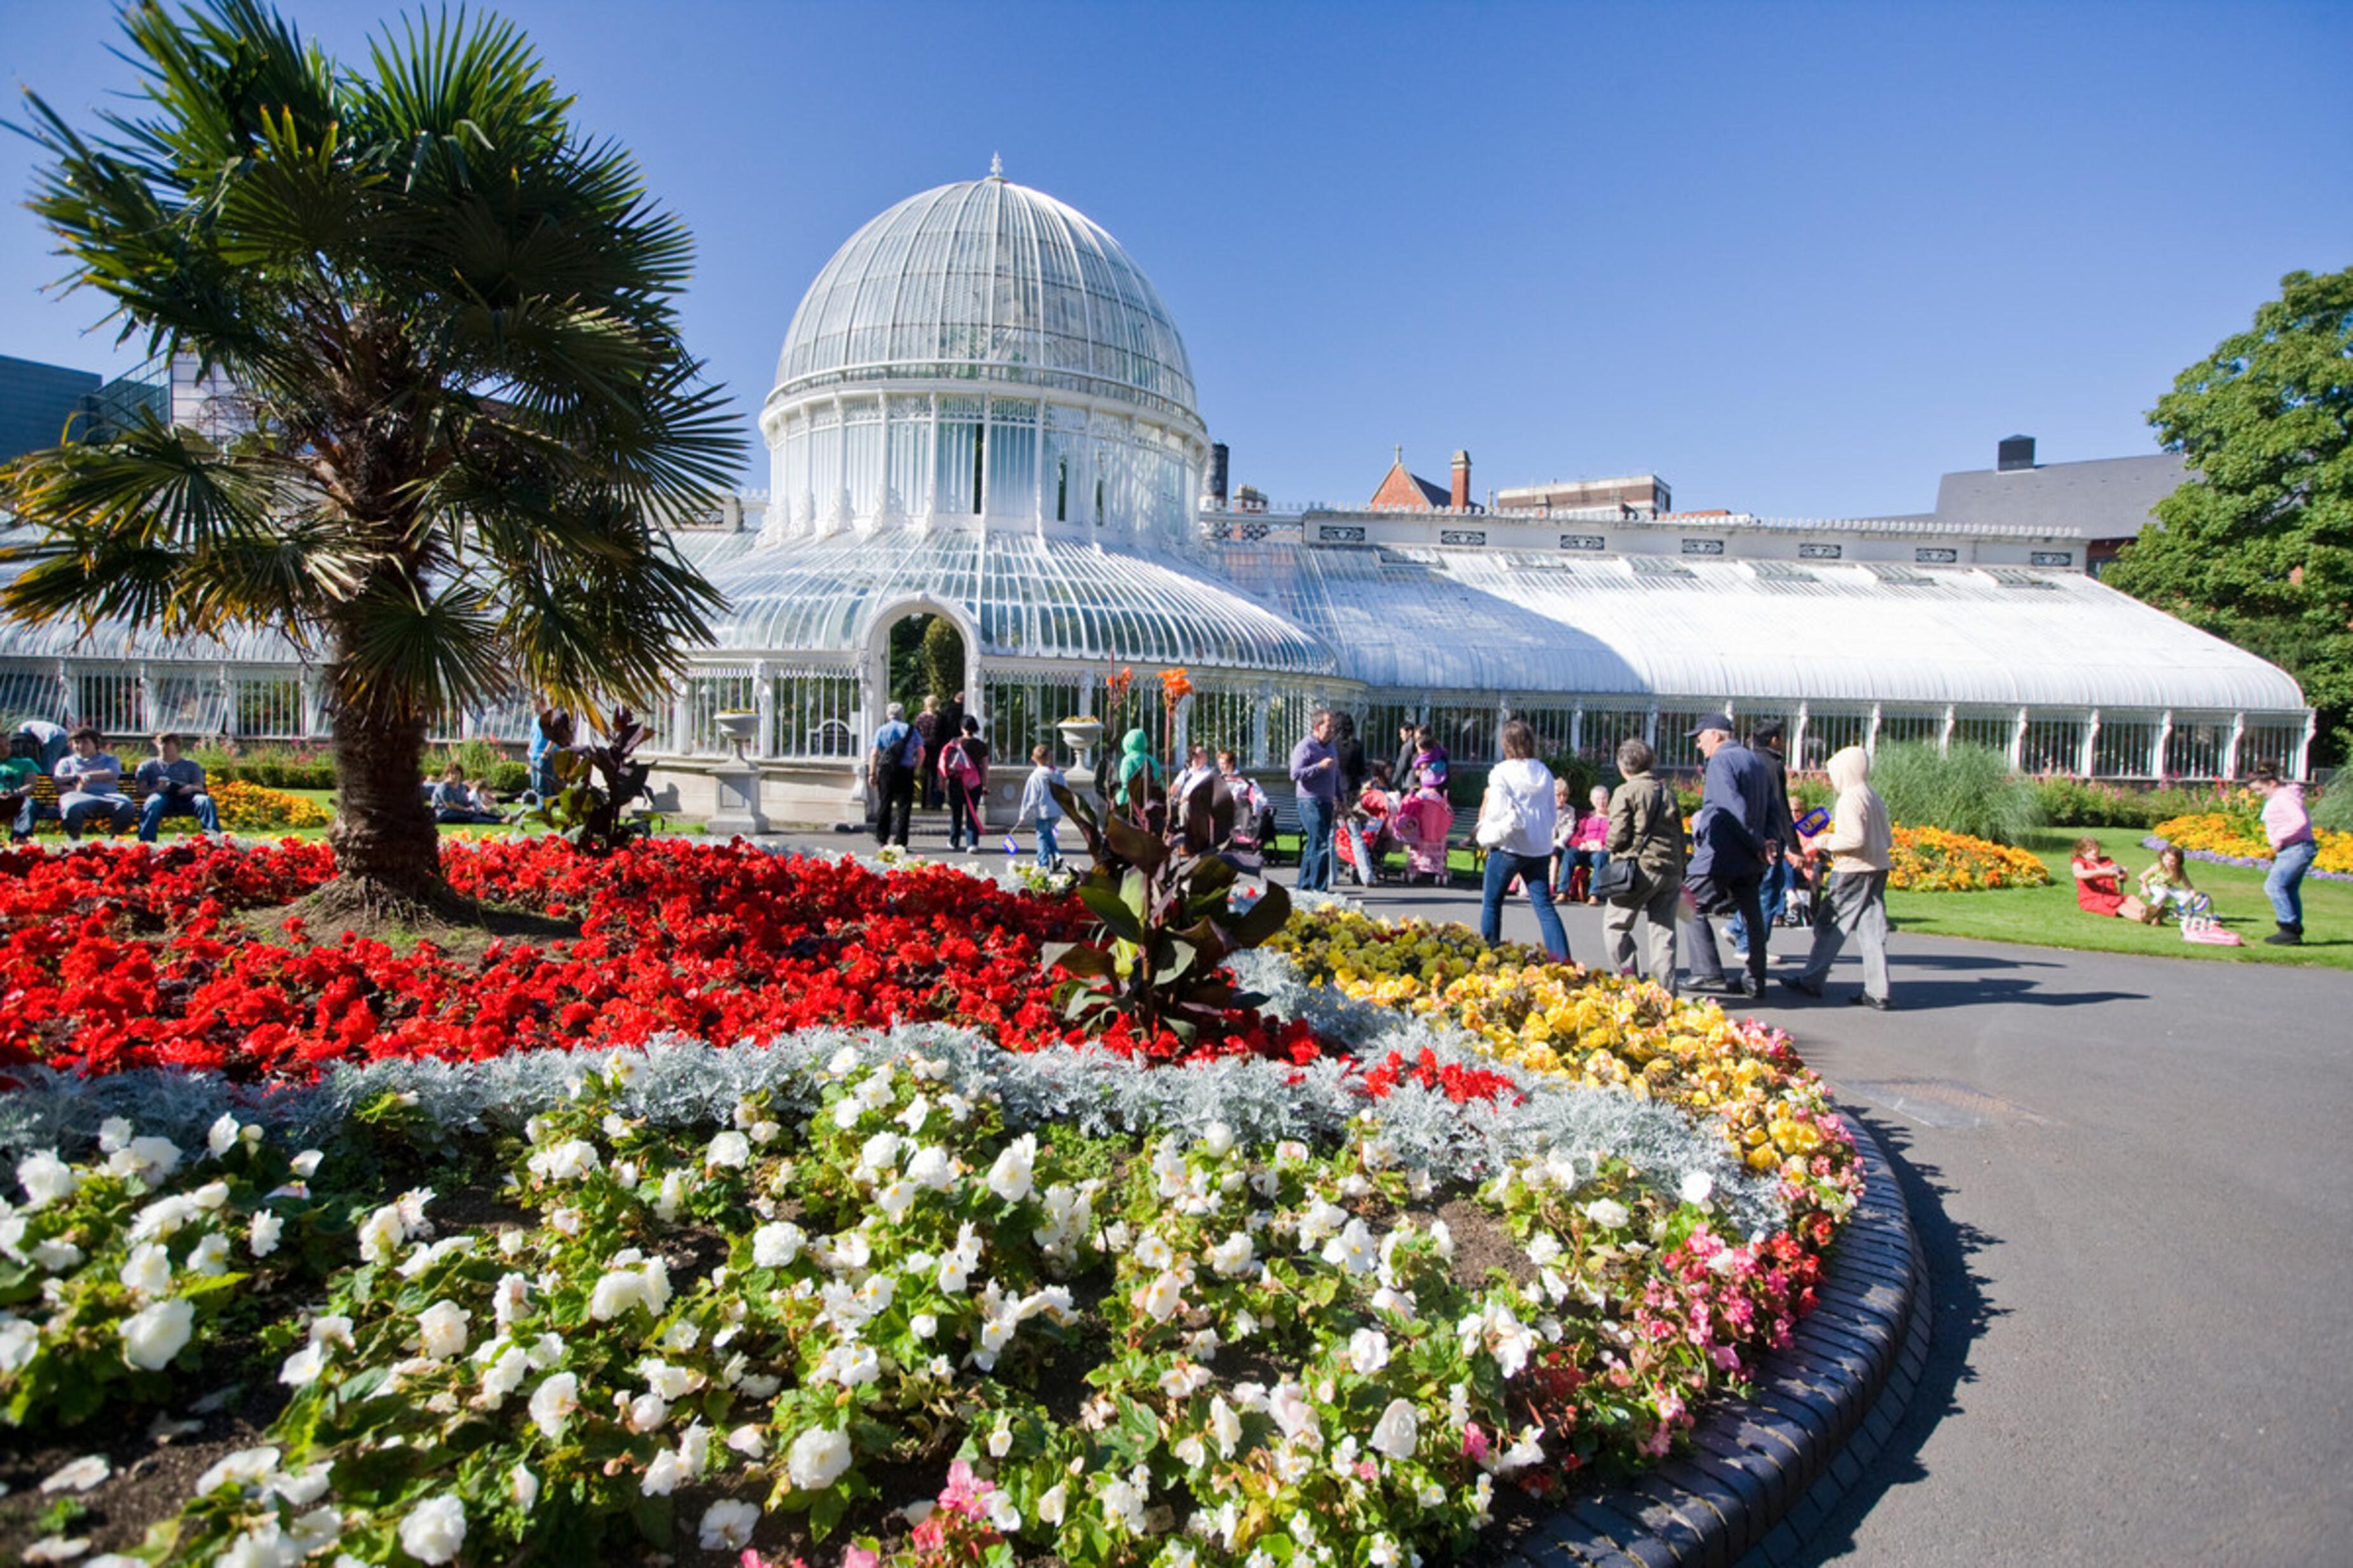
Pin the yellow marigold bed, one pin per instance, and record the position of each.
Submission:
(2228, 837)
(1932, 860)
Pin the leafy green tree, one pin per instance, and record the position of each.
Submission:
(943, 658)
(462, 402)
(2257, 546)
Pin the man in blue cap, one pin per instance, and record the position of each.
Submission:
(1729, 838)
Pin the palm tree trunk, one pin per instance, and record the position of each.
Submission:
(388, 850)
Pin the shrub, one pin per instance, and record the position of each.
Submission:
(508, 777)
(2332, 808)
(2080, 803)
(1967, 789)
(270, 764)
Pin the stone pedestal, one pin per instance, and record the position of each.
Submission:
(739, 802)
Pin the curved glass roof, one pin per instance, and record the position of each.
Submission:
(1030, 598)
(1644, 626)
(988, 280)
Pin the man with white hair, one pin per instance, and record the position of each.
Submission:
(1728, 854)
(891, 770)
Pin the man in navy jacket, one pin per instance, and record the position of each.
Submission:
(1729, 838)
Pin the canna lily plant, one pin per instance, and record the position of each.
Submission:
(1168, 917)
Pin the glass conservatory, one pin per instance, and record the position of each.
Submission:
(984, 413)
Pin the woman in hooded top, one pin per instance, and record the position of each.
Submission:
(1136, 758)
(1858, 841)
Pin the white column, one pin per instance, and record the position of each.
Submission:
(2090, 743)
(2017, 737)
(1945, 740)
(1259, 758)
(1870, 735)
(2230, 752)
(2156, 752)
(1576, 731)
(763, 703)
(2304, 746)
(1796, 752)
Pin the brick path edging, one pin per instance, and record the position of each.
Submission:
(1760, 1473)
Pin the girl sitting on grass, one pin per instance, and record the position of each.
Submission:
(2099, 882)
(2164, 887)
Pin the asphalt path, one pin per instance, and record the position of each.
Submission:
(2133, 1181)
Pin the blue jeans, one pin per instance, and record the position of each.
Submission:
(1770, 895)
(159, 806)
(80, 809)
(1360, 849)
(1048, 851)
(1316, 844)
(2285, 883)
(1535, 874)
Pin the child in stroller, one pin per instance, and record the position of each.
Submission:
(1376, 806)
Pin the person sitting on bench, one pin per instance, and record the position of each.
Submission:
(174, 785)
(90, 786)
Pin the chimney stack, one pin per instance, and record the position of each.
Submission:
(1217, 473)
(1460, 500)
(2014, 454)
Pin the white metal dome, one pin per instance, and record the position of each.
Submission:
(988, 280)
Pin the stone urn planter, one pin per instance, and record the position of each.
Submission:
(740, 728)
(1082, 736)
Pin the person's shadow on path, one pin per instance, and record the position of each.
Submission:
(1957, 1297)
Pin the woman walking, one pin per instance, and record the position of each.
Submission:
(2289, 827)
(1515, 823)
(1646, 822)
(1858, 841)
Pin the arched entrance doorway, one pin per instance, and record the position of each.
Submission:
(918, 648)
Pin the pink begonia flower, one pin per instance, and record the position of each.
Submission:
(1474, 1444)
(855, 1557)
(965, 1492)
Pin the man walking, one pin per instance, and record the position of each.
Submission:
(1728, 859)
(174, 785)
(1315, 775)
(1766, 742)
(898, 756)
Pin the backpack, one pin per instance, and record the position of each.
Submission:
(954, 765)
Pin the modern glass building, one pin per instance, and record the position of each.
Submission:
(984, 411)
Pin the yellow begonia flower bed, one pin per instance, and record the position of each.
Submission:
(2236, 837)
(1594, 1028)
(255, 808)
(1932, 860)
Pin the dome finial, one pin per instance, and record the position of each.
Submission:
(996, 166)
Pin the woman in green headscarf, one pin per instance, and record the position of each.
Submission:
(1136, 757)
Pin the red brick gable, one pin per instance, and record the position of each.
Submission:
(1405, 491)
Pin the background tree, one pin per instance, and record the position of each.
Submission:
(2257, 545)
(943, 658)
(462, 399)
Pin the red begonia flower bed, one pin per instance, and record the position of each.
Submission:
(116, 958)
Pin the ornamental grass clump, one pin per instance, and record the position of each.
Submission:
(1967, 789)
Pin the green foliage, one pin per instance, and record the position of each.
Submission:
(943, 655)
(275, 767)
(2257, 546)
(1580, 776)
(1168, 917)
(596, 786)
(2085, 803)
(1968, 789)
(450, 320)
(2332, 808)
(909, 680)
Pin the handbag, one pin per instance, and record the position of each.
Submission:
(1616, 882)
(1499, 820)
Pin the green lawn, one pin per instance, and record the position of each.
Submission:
(2048, 917)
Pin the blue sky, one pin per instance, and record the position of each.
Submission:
(1798, 259)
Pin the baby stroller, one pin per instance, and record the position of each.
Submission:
(1423, 821)
(1371, 815)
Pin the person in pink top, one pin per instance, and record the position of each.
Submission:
(2289, 827)
(1587, 849)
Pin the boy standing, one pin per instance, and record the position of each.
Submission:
(1038, 800)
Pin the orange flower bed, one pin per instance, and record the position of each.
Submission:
(1932, 860)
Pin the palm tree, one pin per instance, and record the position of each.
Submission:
(462, 406)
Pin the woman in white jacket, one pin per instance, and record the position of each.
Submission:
(1518, 814)
(1857, 841)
